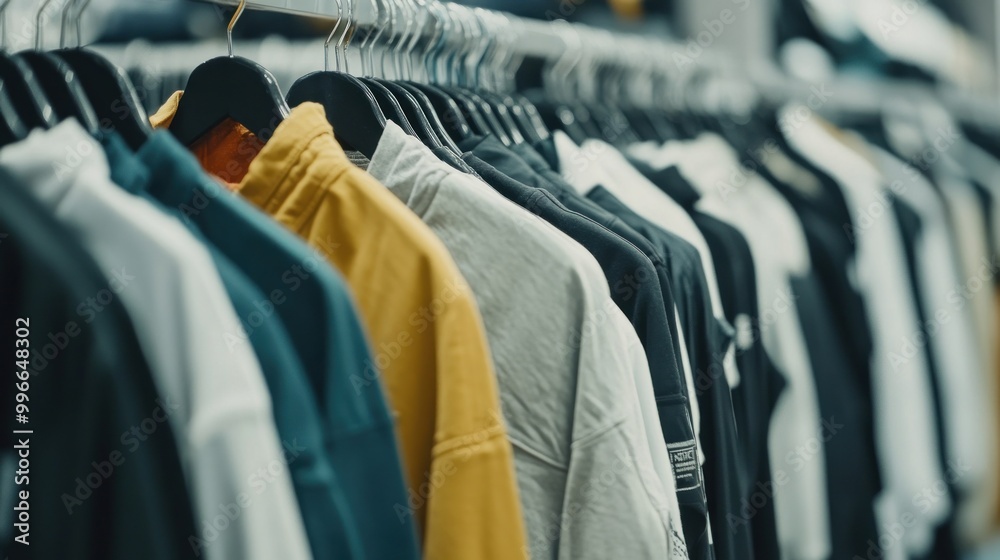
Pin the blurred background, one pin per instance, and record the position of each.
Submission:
(949, 42)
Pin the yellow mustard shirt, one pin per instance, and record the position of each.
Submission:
(428, 339)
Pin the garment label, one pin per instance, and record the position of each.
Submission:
(684, 458)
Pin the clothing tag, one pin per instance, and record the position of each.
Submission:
(684, 458)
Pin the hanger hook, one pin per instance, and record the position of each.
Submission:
(83, 4)
(341, 42)
(3, 23)
(329, 39)
(232, 24)
(39, 18)
(67, 8)
(363, 50)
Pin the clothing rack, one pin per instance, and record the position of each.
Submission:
(561, 42)
(312, 8)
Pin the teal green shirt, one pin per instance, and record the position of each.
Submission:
(316, 307)
(319, 493)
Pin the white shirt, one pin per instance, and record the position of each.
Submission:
(598, 163)
(950, 331)
(575, 386)
(905, 433)
(224, 429)
(778, 246)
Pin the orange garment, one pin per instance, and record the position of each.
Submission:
(428, 337)
(226, 150)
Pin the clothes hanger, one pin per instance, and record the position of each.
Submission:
(437, 103)
(12, 127)
(415, 102)
(478, 44)
(110, 92)
(401, 99)
(470, 102)
(22, 87)
(357, 120)
(58, 81)
(229, 87)
(553, 96)
(503, 57)
(385, 98)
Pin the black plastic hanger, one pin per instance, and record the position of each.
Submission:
(111, 94)
(229, 87)
(453, 107)
(431, 113)
(233, 88)
(521, 119)
(503, 115)
(393, 107)
(413, 112)
(25, 93)
(425, 122)
(471, 104)
(557, 116)
(357, 119)
(12, 128)
(532, 115)
(446, 108)
(62, 88)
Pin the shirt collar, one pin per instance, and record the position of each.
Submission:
(52, 160)
(303, 140)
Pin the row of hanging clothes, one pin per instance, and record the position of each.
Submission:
(497, 302)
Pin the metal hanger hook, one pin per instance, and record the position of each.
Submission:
(3, 23)
(232, 24)
(67, 8)
(342, 42)
(39, 23)
(83, 4)
(329, 39)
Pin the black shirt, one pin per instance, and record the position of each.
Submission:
(760, 382)
(837, 335)
(105, 477)
(707, 342)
